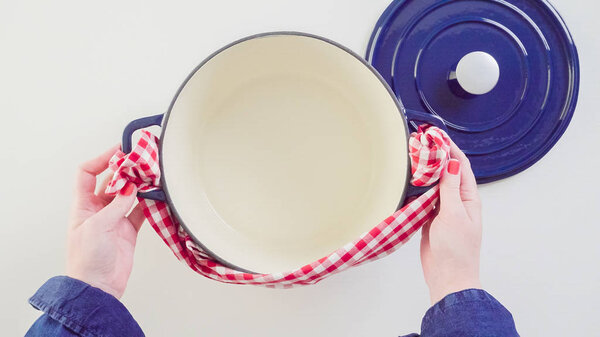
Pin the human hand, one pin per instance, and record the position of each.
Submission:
(451, 242)
(101, 237)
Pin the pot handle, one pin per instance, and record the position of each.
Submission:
(412, 117)
(126, 147)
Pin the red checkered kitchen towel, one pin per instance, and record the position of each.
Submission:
(429, 150)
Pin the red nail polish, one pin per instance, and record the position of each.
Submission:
(126, 191)
(453, 166)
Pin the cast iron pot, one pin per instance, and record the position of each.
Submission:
(280, 148)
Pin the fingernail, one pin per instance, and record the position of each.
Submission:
(453, 166)
(126, 191)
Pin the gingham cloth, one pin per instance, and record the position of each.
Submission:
(429, 152)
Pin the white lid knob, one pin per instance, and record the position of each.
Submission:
(477, 72)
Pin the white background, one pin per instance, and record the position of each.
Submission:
(73, 73)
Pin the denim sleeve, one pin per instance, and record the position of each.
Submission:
(74, 308)
(471, 312)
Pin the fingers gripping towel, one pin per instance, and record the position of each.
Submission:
(429, 150)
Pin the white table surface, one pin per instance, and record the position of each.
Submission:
(73, 73)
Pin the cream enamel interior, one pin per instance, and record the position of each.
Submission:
(281, 149)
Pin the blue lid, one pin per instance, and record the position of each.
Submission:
(529, 77)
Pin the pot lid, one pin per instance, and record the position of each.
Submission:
(503, 75)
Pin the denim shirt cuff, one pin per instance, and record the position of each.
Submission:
(472, 312)
(86, 310)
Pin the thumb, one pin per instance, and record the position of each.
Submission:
(450, 187)
(120, 205)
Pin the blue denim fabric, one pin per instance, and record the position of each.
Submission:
(74, 308)
(472, 313)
